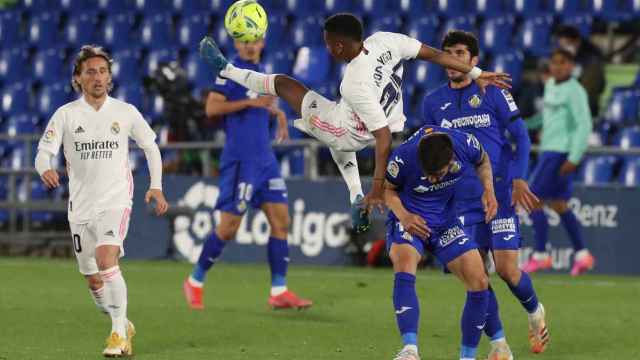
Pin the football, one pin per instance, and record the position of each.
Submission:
(246, 21)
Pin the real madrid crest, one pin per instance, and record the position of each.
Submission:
(242, 206)
(115, 128)
(475, 101)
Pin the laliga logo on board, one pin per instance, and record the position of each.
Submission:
(311, 231)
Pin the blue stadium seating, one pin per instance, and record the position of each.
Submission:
(630, 173)
(48, 66)
(582, 22)
(190, 7)
(51, 97)
(535, 35)
(277, 30)
(567, 7)
(191, 31)
(15, 99)
(43, 29)
(511, 63)
(371, 7)
(623, 107)
(36, 6)
(466, 23)
(117, 31)
(312, 65)
(221, 36)
(81, 29)
(21, 124)
(198, 72)
(614, 10)
(13, 66)
(335, 6)
(528, 7)
(488, 8)
(114, 6)
(279, 62)
(10, 35)
(39, 191)
(597, 170)
(451, 8)
(424, 29)
(219, 5)
(156, 107)
(126, 66)
(414, 7)
(302, 8)
(155, 31)
(385, 23)
(132, 94)
(306, 32)
(77, 7)
(628, 137)
(151, 7)
(156, 57)
(424, 75)
(496, 33)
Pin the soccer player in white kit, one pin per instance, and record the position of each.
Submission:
(371, 105)
(94, 132)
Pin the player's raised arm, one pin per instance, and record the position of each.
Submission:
(48, 148)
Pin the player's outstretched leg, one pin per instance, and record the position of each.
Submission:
(289, 89)
(348, 166)
(499, 348)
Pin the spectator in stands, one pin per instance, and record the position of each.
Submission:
(566, 126)
(589, 67)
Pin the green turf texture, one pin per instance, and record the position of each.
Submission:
(46, 313)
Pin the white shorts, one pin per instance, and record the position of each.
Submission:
(329, 122)
(107, 228)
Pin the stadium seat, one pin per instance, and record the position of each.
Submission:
(48, 66)
(155, 31)
(279, 62)
(623, 107)
(157, 57)
(628, 138)
(21, 124)
(371, 7)
(113, 6)
(527, 7)
(51, 97)
(198, 72)
(511, 63)
(312, 65)
(582, 22)
(535, 34)
(614, 10)
(188, 8)
(417, 8)
(307, 32)
(496, 34)
(156, 107)
(191, 31)
(466, 23)
(126, 66)
(81, 29)
(43, 29)
(10, 35)
(488, 8)
(77, 7)
(302, 8)
(597, 170)
(424, 29)
(451, 8)
(277, 29)
(151, 7)
(385, 23)
(117, 31)
(630, 173)
(221, 36)
(133, 94)
(13, 66)
(335, 6)
(35, 7)
(219, 6)
(424, 75)
(567, 7)
(15, 99)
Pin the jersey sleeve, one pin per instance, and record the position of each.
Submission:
(506, 108)
(582, 124)
(427, 112)
(223, 86)
(472, 149)
(141, 132)
(396, 167)
(51, 140)
(403, 45)
(365, 103)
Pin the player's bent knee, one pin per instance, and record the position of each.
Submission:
(478, 282)
(94, 281)
(509, 273)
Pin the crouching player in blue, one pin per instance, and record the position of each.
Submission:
(249, 176)
(488, 116)
(419, 190)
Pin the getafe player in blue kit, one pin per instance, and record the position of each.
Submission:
(249, 176)
(461, 104)
(420, 180)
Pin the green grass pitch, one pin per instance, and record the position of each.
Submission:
(46, 313)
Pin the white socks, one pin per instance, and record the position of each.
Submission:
(252, 80)
(277, 290)
(411, 348)
(99, 299)
(580, 254)
(348, 165)
(116, 299)
(195, 283)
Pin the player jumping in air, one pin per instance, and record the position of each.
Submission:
(371, 105)
(489, 115)
(94, 132)
(249, 176)
(420, 185)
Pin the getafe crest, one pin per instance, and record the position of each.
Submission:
(455, 167)
(475, 101)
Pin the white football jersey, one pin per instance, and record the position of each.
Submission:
(96, 147)
(371, 87)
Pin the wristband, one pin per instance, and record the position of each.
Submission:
(475, 73)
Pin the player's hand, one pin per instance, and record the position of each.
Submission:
(523, 196)
(567, 168)
(161, 203)
(501, 80)
(265, 102)
(490, 205)
(282, 133)
(375, 198)
(51, 179)
(415, 225)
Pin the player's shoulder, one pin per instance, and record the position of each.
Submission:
(122, 105)
(68, 108)
(437, 94)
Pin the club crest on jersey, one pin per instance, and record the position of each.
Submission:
(49, 135)
(475, 101)
(393, 169)
(115, 128)
(455, 167)
(242, 206)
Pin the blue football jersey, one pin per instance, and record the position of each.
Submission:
(247, 131)
(433, 202)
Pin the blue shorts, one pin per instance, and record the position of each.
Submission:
(445, 245)
(244, 183)
(546, 181)
(502, 233)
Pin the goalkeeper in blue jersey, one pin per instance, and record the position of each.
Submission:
(489, 116)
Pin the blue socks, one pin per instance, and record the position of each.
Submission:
(278, 256)
(493, 329)
(540, 229)
(574, 230)
(406, 305)
(210, 253)
(525, 293)
(474, 317)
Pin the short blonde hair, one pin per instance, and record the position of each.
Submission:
(87, 52)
